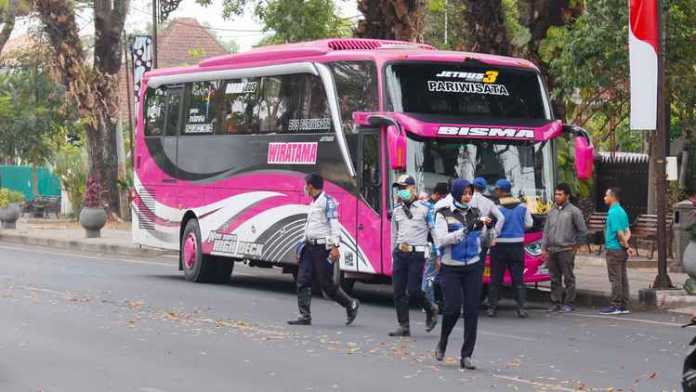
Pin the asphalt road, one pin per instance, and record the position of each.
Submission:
(97, 323)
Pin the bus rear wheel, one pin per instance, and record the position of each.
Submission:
(197, 266)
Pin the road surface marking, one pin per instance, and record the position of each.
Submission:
(542, 385)
(615, 318)
(504, 335)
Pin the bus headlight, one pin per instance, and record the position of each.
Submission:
(534, 249)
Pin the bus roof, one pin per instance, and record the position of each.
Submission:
(341, 49)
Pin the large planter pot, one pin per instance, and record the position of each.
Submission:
(690, 259)
(93, 219)
(9, 216)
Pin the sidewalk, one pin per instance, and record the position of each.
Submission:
(593, 286)
(64, 234)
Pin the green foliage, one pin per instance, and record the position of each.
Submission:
(292, 20)
(8, 196)
(32, 115)
(566, 169)
(70, 166)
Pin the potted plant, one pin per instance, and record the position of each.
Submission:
(93, 214)
(10, 208)
(690, 256)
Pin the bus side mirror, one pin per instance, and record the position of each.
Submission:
(396, 144)
(584, 152)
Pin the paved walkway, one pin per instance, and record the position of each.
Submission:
(592, 282)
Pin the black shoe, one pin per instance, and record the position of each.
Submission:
(491, 313)
(401, 332)
(301, 321)
(430, 319)
(352, 311)
(465, 363)
(439, 352)
(521, 313)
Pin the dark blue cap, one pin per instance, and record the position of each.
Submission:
(405, 180)
(504, 185)
(480, 183)
(458, 187)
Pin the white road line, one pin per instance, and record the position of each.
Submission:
(543, 385)
(100, 258)
(631, 319)
(504, 335)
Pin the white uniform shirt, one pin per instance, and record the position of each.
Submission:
(322, 220)
(487, 208)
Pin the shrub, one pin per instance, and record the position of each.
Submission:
(93, 193)
(8, 196)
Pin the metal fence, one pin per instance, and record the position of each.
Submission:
(627, 171)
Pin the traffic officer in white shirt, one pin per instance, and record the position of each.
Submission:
(413, 220)
(322, 239)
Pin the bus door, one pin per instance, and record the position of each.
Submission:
(370, 203)
(170, 141)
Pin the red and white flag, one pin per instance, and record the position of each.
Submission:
(643, 38)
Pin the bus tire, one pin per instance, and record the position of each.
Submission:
(223, 270)
(197, 267)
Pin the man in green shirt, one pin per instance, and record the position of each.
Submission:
(616, 236)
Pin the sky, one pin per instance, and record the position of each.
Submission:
(245, 30)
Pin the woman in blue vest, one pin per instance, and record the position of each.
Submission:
(458, 231)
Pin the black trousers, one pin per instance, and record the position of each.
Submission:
(407, 275)
(461, 289)
(507, 256)
(314, 264)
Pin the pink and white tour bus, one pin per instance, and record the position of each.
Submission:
(222, 147)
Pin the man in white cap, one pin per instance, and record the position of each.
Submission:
(413, 221)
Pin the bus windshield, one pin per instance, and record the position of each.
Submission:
(528, 166)
(462, 92)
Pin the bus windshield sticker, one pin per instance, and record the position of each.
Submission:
(511, 133)
(468, 83)
(292, 153)
(309, 124)
(198, 129)
(229, 245)
(240, 88)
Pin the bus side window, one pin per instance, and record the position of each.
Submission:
(316, 105)
(173, 112)
(240, 107)
(200, 115)
(155, 107)
(356, 85)
(371, 173)
(281, 102)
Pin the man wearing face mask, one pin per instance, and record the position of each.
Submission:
(458, 228)
(413, 220)
(322, 239)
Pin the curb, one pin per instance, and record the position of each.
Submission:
(103, 248)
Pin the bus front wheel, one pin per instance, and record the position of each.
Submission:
(197, 266)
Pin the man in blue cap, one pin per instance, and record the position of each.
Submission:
(488, 209)
(508, 252)
(413, 220)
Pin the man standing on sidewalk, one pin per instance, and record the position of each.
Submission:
(616, 236)
(564, 230)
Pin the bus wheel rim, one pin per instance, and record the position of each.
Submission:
(190, 247)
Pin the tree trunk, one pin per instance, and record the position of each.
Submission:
(486, 21)
(92, 88)
(538, 16)
(8, 21)
(392, 19)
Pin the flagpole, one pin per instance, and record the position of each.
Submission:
(154, 34)
(662, 280)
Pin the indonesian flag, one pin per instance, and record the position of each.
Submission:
(643, 36)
